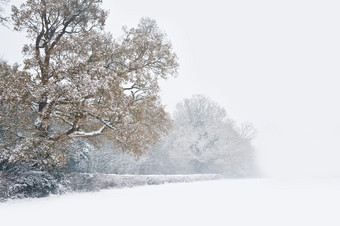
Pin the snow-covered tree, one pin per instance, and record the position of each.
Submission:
(78, 82)
(102, 156)
(108, 158)
(205, 140)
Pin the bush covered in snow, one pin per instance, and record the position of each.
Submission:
(29, 184)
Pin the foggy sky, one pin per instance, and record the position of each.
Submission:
(272, 63)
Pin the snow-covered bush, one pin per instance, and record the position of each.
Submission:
(30, 184)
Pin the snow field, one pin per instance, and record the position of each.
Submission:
(251, 202)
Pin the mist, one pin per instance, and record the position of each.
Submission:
(274, 64)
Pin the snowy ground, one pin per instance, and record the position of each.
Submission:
(263, 202)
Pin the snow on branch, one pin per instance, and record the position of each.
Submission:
(79, 134)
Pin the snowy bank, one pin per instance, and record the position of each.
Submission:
(95, 182)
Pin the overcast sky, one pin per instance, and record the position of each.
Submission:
(272, 63)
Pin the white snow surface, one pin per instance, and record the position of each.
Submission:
(233, 202)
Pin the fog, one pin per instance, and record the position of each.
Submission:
(272, 63)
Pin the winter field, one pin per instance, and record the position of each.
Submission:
(262, 202)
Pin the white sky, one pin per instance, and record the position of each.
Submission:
(272, 63)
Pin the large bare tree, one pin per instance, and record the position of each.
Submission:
(79, 82)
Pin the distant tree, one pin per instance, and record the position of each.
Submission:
(79, 83)
(205, 140)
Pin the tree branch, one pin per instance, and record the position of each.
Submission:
(81, 134)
